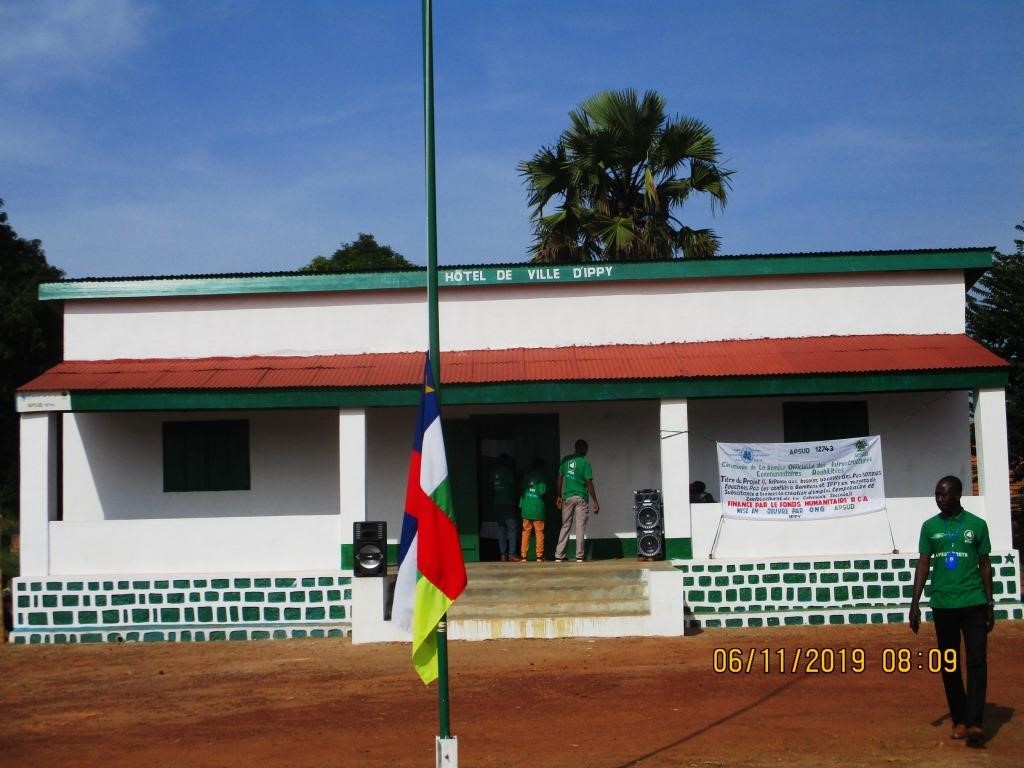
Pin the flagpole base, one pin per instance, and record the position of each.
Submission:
(448, 752)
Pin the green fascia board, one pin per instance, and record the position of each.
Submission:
(541, 392)
(973, 261)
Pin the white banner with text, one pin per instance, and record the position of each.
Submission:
(801, 481)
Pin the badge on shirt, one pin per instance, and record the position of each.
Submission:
(951, 560)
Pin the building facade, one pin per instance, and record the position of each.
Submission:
(193, 468)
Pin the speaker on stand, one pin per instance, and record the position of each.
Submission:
(650, 524)
(370, 545)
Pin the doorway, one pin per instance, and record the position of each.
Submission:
(474, 445)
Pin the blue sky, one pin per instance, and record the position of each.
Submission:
(141, 137)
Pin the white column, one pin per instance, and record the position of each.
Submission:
(993, 463)
(38, 490)
(675, 468)
(352, 470)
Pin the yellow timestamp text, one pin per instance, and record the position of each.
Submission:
(814, 661)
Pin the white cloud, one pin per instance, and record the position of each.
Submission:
(42, 40)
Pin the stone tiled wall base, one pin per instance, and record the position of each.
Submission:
(181, 608)
(856, 589)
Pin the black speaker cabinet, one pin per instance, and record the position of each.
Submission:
(370, 545)
(650, 524)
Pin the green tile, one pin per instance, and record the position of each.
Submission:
(839, 594)
(822, 596)
(271, 614)
(316, 596)
(746, 594)
(869, 576)
(262, 583)
(687, 582)
(24, 601)
(195, 597)
(54, 586)
(220, 583)
(277, 597)
(771, 578)
(211, 597)
(140, 616)
(222, 615)
(890, 592)
(199, 583)
(160, 585)
(861, 564)
(155, 599)
(325, 581)
(695, 595)
(857, 593)
(895, 618)
(821, 565)
(874, 591)
(218, 634)
(237, 634)
(243, 583)
(37, 619)
(108, 585)
(280, 634)
(1007, 572)
(233, 615)
(774, 621)
(260, 634)
(298, 596)
(776, 594)
(170, 615)
(254, 597)
(850, 576)
(298, 633)
(753, 579)
(181, 584)
(712, 623)
(308, 582)
(315, 614)
(739, 579)
(888, 576)
(705, 581)
(816, 619)
(794, 578)
(190, 615)
(140, 585)
(111, 617)
(837, 618)
(721, 581)
(101, 600)
(124, 585)
(714, 596)
(335, 594)
(746, 566)
(778, 566)
(292, 614)
(87, 617)
(858, 618)
(829, 578)
(63, 618)
(335, 633)
(734, 622)
(205, 613)
(337, 612)
(730, 596)
(803, 595)
(841, 565)
(754, 621)
(91, 637)
(35, 586)
(176, 597)
(794, 621)
(899, 562)
(250, 613)
(881, 565)
(232, 597)
(49, 601)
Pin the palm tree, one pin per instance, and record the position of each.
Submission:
(614, 175)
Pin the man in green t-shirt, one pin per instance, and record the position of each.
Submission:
(954, 548)
(531, 507)
(575, 488)
(502, 481)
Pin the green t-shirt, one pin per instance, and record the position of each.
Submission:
(966, 536)
(575, 471)
(503, 487)
(531, 504)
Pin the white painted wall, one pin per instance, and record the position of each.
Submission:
(630, 312)
(113, 467)
(925, 435)
(204, 545)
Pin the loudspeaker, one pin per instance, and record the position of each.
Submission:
(370, 545)
(650, 524)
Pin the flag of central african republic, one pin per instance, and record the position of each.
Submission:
(431, 572)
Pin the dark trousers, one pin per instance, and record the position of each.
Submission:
(965, 707)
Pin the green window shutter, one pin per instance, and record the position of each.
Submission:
(803, 422)
(206, 455)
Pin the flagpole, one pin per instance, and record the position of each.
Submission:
(444, 726)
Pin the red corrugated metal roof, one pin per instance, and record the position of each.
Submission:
(757, 357)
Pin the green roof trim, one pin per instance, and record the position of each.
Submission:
(541, 392)
(973, 261)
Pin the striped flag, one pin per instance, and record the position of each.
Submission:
(431, 572)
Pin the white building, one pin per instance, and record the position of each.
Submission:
(193, 467)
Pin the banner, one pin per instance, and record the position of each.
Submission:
(801, 481)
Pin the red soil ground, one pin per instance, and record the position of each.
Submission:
(610, 703)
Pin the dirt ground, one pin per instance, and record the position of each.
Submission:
(604, 702)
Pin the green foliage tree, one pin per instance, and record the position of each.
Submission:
(995, 317)
(618, 176)
(29, 343)
(362, 255)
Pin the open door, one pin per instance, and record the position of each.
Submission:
(461, 448)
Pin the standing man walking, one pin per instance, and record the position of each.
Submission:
(575, 487)
(954, 547)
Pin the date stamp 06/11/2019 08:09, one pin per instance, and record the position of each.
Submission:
(827, 661)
